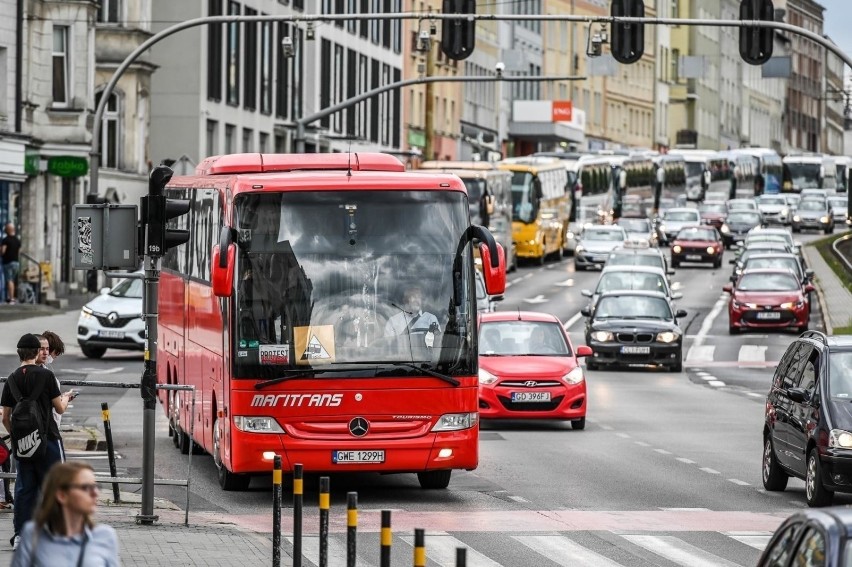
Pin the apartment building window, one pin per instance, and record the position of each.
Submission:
(4, 69)
(110, 131)
(250, 61)
(212, 137)
(233, 53)
(248, 140)
(351, 89)
(352, 8)
(109, 11)
(266, 67)
(675, 76)
(375, 25)
(396, 28)
(365, 24)
(282, 87)
(386, 25)
(61, 71)
(230, 132)
(338, 75)
(263, 142)
(214, 53)
(280, 143)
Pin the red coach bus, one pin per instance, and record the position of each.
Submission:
(293, 309)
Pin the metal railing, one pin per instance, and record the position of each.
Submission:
(839, 255)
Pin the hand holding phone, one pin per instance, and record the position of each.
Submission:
(73, 394)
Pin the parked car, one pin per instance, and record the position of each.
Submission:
(528, 369)
(774, 209)
(674, 219)
(807, 431)
(814, 214)
(635, 327)
(698, 244)
(738, 224)
(113, 319)
(768, 298)
(595, 243)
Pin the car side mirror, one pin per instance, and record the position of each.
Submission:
(809, 274)
(680, 313)
(586, 312)
(104, 291)
(677, 295)
(586, 293)
(583, 351)
(798, 395)
(728, 287)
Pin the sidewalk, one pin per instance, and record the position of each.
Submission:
(835, 299)
(207, 540)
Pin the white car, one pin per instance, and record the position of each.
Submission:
(774, 209)
(675, 219)
(113, 319)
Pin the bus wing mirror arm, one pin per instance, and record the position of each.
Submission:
(226, 238)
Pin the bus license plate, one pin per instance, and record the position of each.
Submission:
(343, 457)
(635, 350)
(530, 396)
(769, 315)
(111, 334)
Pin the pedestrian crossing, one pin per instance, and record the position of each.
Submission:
(737, 353)
(574, 549)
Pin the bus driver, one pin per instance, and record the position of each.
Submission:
(411, 317)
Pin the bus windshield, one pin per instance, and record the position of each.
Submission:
(475, 193)
(803, 175)
(353, 279)
(524, 205)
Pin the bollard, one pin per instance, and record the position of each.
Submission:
(323, 519)
(276, 512)
(116, 496)
(297, 515)
(419, 547)
(461, 557)
(387, 537)
(351, 527)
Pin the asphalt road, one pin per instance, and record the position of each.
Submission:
(667, 471)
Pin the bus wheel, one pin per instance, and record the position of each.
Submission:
(227, 480)
(432, 480)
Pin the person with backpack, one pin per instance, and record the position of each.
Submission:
(30, 393)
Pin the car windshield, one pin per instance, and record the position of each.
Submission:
(744, 218)
(608, 235)
(840, 375)
(635, 225)
(635, 260)
(128, 288)
(811, 205)
(838, 203)
(633, 307)
(522, 338)
(741, 205)
(693, 234)
(678, 216)
(793, 199)
(773, 281)
(712, 208)
(786, 263)
(634, 281)
(768, 200)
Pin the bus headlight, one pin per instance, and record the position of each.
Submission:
(252, 424)
(456, 421)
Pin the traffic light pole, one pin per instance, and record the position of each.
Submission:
(149, 388)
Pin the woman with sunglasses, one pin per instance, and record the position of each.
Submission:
(63, 532)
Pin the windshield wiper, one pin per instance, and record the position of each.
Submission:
(298, 374)
(422, 368)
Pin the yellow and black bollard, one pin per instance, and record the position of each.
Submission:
(324, 498)
(276, 512)
(461, 557)
(419, 547)
(387, 537)
(116, 496)
(351, 527)
(298, 486)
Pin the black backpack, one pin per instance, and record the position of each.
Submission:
(28, 429)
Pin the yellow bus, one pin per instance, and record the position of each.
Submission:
(541, 206)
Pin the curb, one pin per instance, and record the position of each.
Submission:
(826, 320)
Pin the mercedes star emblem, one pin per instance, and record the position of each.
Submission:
(359, 426)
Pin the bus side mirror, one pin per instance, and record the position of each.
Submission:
(223, 277)
(495, 276)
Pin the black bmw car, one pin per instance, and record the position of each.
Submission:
(634, 327)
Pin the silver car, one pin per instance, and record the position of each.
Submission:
(774, 209)
(113, 320)
(675, 219)
(595, 244)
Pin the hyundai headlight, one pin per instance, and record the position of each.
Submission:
(677, 249)
(575, 376)
(725, 229)
(840, 438)
(486, 377)
(252, 424)
(456, 421)
(667, 337)
(602, 336)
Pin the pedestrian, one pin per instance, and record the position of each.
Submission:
(56, 348)
(10, 250)
(30, 379)
(63, 532)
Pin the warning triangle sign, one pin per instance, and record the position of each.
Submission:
(315, 350)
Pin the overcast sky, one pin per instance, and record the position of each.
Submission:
(838, 16)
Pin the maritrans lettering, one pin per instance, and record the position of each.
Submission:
(297, 400)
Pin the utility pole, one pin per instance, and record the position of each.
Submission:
(429, 118)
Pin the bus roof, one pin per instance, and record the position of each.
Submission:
(447, 165)
(530, 164)
(233, 164)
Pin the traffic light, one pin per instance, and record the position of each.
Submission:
(756, 43)
(628, 40)
(458, 36)
(157, 210)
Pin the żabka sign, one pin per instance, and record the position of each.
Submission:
(561, 111)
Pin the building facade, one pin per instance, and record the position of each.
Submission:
(805, 92)
(13, 140)
(835, 106)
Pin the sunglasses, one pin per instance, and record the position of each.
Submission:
(92, 488)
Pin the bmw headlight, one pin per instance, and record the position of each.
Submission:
(456, 421)
(785, 211)
(575, 376)
(677, 249)
(725, 229)
(486, 377)
(840, 438)
(252, 424)
(602, 336)
(667, 337)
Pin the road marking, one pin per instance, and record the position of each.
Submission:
(701, 353)
(563, 551)
(518, 498)
(685, 460)
(537, 299)
(757, 540)
(606, 427)
(663, 451)
(676, 286)
(752, 353)
(708, 378)
(570, 322)
(708, 470)
(678, 551)
(623, 435)
(567, 283)
(707, 324)
(686, 509)
(754, 395)
(642, 444)
(522, 278)
(441, 548)
(738, 482)
(716, 383)
(85, 371)
(336, 550)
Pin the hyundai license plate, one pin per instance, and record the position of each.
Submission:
(635, 350)
(694, 257)
(111, 334)
(769, 315)
(530, 396)
(344, 457)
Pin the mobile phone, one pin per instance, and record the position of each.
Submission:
(74, 394)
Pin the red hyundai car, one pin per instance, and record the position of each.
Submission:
(768, 298)
(528, 369)
(697, 244)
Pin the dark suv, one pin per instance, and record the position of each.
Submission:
(807, 431)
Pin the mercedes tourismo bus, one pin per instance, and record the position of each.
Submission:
(325, 310)
(769, 170)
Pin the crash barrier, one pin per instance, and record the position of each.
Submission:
(386, 536)
(116, 480)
